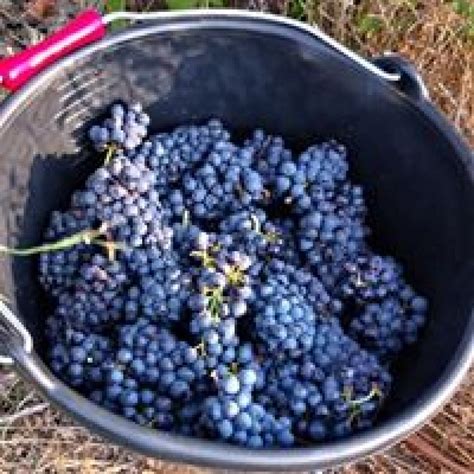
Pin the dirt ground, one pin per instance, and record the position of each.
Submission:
(438, 36)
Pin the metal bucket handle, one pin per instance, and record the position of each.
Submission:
(13, 323)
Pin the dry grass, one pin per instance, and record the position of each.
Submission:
(35, 438)
(429, 33)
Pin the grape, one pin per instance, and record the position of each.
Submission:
(125, 128)
(221, 290)
(387, 313)
(283, 320)
(337, 382)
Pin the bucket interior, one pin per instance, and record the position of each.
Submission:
(419, 194)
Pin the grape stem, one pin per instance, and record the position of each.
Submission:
(88, 237)
(215, 300)
(186, 218)
(110, 247)
(257, 228)
(235, 275)
(84, 237)
(110, 153)
(374, 392)
(201, 349)
(207, 260)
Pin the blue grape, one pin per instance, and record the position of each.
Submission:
(231, 293)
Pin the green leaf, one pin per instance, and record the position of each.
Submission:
(461, 7)
(182, 4)
(116, 6)
(297, 10)
(469, 31)
(464, 8)
(369, 25)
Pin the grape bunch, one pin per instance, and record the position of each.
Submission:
(224, 182)
(169, 155)
(126, 127)
(284, 321)
(330, 391)
(223, 290)
(78, 355)
(232, 416)
(389, 314)
(220, 299)
(97, 295)
(162, 287)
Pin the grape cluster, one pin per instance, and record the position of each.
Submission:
(232, 416)
(97, 295)
(162, 287)
(147, 375)
(329, 240)
(269, 152)
(223, 290)
(122, 194)
(78, 355)
(284, 321)
(169, 155)
(125, 128)
(389, 314)
(315, 175)
(225, 182)
(220, 299)
(330, 391)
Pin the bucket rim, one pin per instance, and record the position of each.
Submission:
(211, 453)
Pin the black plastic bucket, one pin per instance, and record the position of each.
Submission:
(255, 71)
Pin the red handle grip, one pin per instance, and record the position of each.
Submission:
(86, 28)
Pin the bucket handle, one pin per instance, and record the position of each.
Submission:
(13, 322)
(410, 83)
(90, 26)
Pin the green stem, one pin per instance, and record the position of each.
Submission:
(373, 393)
(206, 260)
(201, 349)
(110, 247)
(86, 236)
(235, 275)
(255, 223)
(110, 152)
(257, 228)
(215, 300)
(186, 218)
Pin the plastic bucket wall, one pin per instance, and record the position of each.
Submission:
(417, 173)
